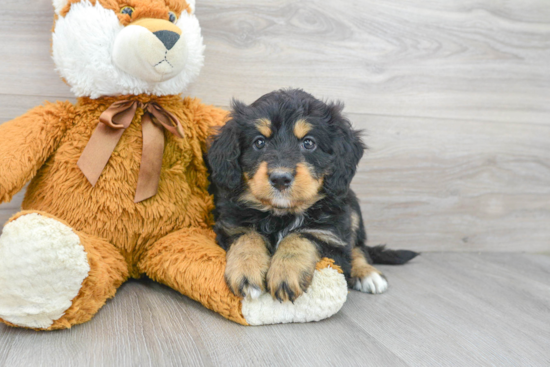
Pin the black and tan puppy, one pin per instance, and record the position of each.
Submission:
(281, 170)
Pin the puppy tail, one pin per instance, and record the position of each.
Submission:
(380, 255)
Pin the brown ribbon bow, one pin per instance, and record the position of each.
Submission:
(113, 122)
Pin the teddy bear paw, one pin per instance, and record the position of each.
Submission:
(324, 297)
(42, 267)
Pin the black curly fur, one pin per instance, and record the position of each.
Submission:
(339, 149)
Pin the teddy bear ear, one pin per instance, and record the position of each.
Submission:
(191, 4)
(58, 5)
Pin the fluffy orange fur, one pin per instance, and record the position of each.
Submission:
(167, 237)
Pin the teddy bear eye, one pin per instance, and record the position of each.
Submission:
(172, 17)
(127, 10)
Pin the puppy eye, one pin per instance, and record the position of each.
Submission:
(172, 17)
(127, 10)
(259, 143)
(309, 144)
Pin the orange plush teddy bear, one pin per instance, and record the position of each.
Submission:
(119, 187)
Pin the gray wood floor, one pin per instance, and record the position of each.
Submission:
(443, 309)
(453, 96)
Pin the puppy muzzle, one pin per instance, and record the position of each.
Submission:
(281, 180)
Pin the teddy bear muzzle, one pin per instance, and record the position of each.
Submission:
(153, 50)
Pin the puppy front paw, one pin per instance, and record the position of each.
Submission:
(247, 265)
(245, 285)
(287, 281)
(292, 268)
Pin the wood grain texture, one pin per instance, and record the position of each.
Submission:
(442, 309)
(436, 185)
(453, 95)
(459, 59)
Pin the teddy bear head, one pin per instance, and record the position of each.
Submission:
(120, 47)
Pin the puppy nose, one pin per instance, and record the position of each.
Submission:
(281, 180)
(168, 38)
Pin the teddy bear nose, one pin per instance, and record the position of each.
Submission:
(168, 38)
(280, 180)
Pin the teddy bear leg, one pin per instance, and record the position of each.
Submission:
(191, 262)
(52, 277)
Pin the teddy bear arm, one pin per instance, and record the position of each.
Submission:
(191, 262)
(27, 142)
(217, 116)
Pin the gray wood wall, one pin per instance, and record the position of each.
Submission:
(454, 98)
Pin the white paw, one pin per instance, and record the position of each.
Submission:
(42, 267)
(252, 292)
(373, 283)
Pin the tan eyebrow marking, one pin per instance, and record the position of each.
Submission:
(302, 128)
(264, 127)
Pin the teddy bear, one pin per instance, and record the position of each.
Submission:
(118, 182)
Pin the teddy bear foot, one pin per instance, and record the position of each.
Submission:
(324, 298)
(42, 267)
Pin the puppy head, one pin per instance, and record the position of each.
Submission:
(114, 47)
(285, 152)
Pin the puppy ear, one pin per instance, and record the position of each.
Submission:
(238, 109)
(223, 157)
(347, 150)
